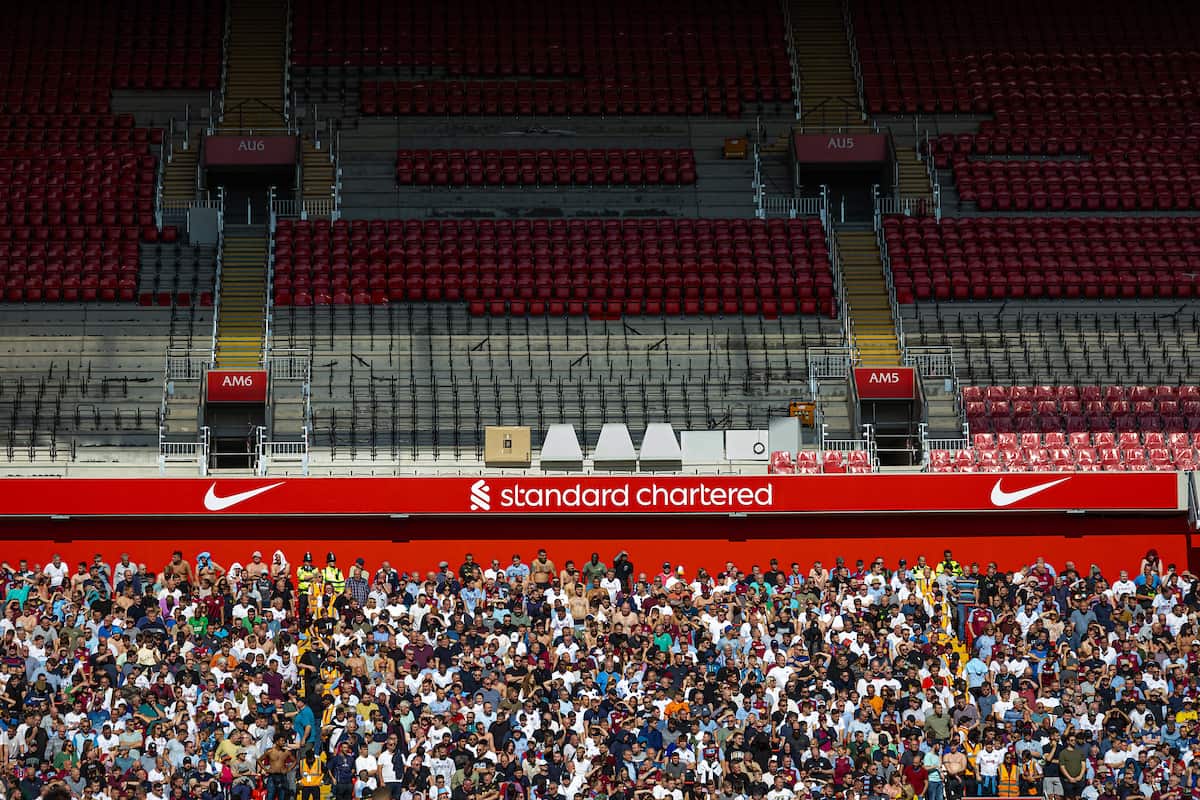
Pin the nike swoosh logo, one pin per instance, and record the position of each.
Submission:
(215, 503)
(1002, 498)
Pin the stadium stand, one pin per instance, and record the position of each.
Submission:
(601, 268)
(679, 58)
(1102, 111)
(595, 167)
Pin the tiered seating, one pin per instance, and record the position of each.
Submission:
(825, 462)
(1152, 451)
(67, 58)
(982, 258)
(595, 167)
(602, 268)
(1087, 408)
(77, 182)
(1101, 80)
(1105, 183)
(624, 57)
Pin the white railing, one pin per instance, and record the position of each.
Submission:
(270, 452)
(931, 362)
(793, 60)
(928, 445)
(187, 365)
(303, 209)
(830, 362)
(839, 284)
(289, 364)
(912, 205)
(269, 300)
(226, 37)
(866, 443)
(158, 183)
(885, 259)
(287, 64)
(1193, 482)
(790, 207)
(184, 452)
(848, 24)
(216, 306)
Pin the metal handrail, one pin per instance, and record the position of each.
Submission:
(183, 452)
(793, 60)
(226, 38)
(269, 300)
(290, 364)
(835, 265)
(881, 243)
(287, 64)
(856, 63)
(184, 364)
(217, 280)
(830, 362)
(158, 184)
(288, 452)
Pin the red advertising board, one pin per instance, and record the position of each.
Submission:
(884, 383)
(840, 148)
(250, 151)
(588, 494)
(236, 386)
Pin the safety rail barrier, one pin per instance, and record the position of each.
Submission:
(290, 364)
(885, 259)
(1193, 479)
(928, 444)
(839, 283)
(287, 64)
(931, 362)
(866, 443)
(830, 362)
(269, 300)
(216, 304)
(852, 41)
(910, 205)
(158, 183)
(271, 452)
(170, 452)
(226, 38)
(793, 59)
(289, 208)
(187, 365)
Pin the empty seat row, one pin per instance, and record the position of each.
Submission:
(632, 166)
(402, 98)
(737, 53)
(1063, 459)
(825, 462)
(595, 309)
(986, 258)
(1064, 393)
(1124, 440)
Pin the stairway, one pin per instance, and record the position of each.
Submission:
(179, 175)
(254, 76)
(243, 296)
(828, 91)
(866, 292)
(913, 179)
(317, 171)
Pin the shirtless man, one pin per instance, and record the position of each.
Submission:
(541, 571)
(256, 568)
(276, 762)
(179, 569)
(578, 604)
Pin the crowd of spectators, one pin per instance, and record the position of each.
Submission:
(537, 680)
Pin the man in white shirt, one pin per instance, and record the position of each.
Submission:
(56, 571)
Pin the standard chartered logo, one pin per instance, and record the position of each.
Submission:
(652, 496)
(481, 496)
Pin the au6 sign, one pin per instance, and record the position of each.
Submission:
(236, 386)
(884, 383)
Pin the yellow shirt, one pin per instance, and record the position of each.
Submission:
(312, 774)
